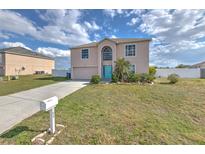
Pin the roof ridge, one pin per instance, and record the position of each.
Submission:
(116, 40)
(8, 48)
(26, 52)
(199, 63)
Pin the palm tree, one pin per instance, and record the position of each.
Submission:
(122, 69)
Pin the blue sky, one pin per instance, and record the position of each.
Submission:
(178, 35)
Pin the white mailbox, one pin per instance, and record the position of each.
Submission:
(49, 105)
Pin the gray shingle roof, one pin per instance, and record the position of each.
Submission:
(24, 52)
(116, 40)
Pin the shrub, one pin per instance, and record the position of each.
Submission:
(144, 77)
(8, 78)
(95, 79)
(152, 70)
(150, 78)
(173, 78)
(15, 77)
(133, 77)
(114, 78)
(122, 67)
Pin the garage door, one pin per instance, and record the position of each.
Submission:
(84, 72)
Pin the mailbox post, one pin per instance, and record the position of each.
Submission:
(52, 120)
(49, 105)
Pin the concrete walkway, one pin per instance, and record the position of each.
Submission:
(16, 107)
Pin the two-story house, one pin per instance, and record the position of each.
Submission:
(99, 57)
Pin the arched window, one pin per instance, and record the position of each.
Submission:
(107, 53)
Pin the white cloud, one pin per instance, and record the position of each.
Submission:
(119, 11)
(97, 37)
(53, 52)
(113, 36)
(123, 12)
(133, 21)
(13, 44)
(92, 26)
(63, 26)
(53, 15)
(174, 31)
(114, 12)
(15, 22)
(4, 36)
(135, 12)
(49, 51)
(110, 12)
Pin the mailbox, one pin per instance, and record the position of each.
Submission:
(48, 104)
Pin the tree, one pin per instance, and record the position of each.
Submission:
(152, 70)
(183, 66)
(122, 69)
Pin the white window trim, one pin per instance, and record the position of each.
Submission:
(103, 54)
(135, 50)
(135, 67)
(82, 52)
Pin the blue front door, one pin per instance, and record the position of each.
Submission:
(107, 71)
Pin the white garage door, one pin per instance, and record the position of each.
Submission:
(84, 72)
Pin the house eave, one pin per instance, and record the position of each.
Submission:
(97, 43)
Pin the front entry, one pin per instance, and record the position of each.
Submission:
(107, 71)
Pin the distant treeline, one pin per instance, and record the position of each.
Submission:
(178, 66)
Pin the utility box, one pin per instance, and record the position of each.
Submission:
(49, 103)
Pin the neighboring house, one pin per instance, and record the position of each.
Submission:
(99, 57)
(199, 65)
(21, 61)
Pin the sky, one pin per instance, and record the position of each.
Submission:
(178, 36)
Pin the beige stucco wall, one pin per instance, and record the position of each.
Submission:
(84, 69)
(77, 61)
(31, 64)
(112, 45)
(141, 58)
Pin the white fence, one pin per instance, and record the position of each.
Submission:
(182, 72)
(60, 73)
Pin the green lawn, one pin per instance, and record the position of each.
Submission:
(27, 82)
(124, 114)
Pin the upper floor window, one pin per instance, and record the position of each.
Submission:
(132, 68)
(130, 50)
(84, 54)
(107, 53)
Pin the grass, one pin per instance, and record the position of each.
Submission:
(124, 114)
(27, 82)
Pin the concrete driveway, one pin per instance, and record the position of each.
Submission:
(16, 107)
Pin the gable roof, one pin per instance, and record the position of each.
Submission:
(115, 40)
(24, 52)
